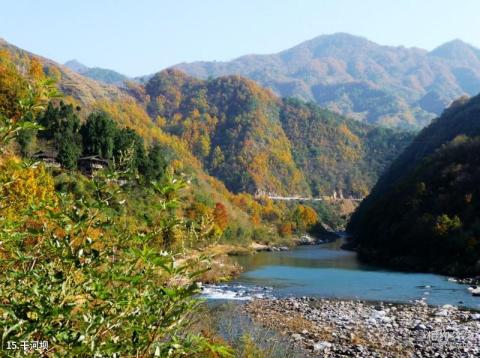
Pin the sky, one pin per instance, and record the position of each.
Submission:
(138, 37)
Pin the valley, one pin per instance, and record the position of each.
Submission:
(326, 196)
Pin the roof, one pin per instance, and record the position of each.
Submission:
(45, 154)
(93, 158)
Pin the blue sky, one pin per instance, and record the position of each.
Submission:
(143, 36)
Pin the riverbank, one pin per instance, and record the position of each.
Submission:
(345, 328)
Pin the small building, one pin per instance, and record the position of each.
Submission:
(49, 157)
(91, 164)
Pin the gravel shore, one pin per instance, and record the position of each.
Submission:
(331, 328)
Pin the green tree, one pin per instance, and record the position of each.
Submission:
(98, 135)
(62, 126)
(217, 158)
(127, 139)
(155, 163)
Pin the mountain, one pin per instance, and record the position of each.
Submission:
(236, 137)
(96, 73)
(338, 154)
(76, 66)
(123, 106)
(392, 86)
(85, 91)
(254, 141)
(424, 212)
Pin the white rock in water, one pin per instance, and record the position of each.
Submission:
(475, 291)
(322, 346)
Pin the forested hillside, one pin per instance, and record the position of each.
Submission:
(117, 125)
(252, 140)
(424, 211)
(336, 153)
(393, 86)
(228, 134)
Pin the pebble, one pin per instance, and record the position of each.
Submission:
(336, 328)
(321, 346)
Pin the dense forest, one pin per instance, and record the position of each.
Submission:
(251, 140)
(424, 214)
(335, 153)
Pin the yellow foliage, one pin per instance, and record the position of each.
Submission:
(345, 131)
(12, 87)
(36, 69)
(306, 216)
(21, 187)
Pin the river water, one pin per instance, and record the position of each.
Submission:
(327, 271)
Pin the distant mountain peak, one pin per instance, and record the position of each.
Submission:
(96, 73)
(340, 37)
(455, 49)
(76, 66)
(333, 43)
(402, 86)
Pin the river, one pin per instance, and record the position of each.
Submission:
(327, 271)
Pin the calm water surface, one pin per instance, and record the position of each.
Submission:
(327, 271)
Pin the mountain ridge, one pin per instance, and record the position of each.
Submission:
(104, 75)
(409, 85)
(236, 131)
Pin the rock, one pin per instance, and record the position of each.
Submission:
(386, 319)
(475, 316)
(378, 314)
(475, 290)
(306, 240)
(322, 346)
(450, 329)
(441, 313)
(296, 337)
(420, 327)
(382, 328)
